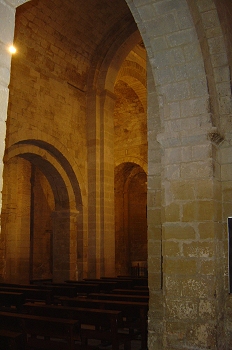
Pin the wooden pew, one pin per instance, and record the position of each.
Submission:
(9, 300)
(57, 288)
(135, 313)
(80, 288)
(35, 327)
(21, 285)
(84, 287)
(137, 281)
(11, 340)
(120, 283)
(141, 287)
(8, 284)
(124, 297)
(131, 291)
(31, 293)
(106, 322)
(105, 286)
(40, 281)
(62, 289)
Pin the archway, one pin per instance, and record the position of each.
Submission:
(130, 220)
(130, 145)
(172, 31)
(48, 212)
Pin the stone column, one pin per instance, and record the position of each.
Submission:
(101, 240)
(154, 219)
(93, 147)
(107, 182)
(64, 245)
(191, 240)
(7, 25)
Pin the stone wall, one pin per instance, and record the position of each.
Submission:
(189, 146)
(16, 220)
(6, 38)
(42, 233)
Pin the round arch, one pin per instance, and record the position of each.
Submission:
(67, 215)
(135, 76)
(51, 168)
(130, 159)
(189, 63)
(170, 110)
(101, 100)
(130, 186)
(59, 153)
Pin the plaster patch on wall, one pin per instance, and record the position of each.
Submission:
(172, 285)
(182, 310)
(204, 336)
(201, 252)
(206, 308)
(199, 288)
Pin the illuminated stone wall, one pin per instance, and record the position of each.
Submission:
(61, 105)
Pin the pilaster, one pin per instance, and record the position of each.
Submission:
(64, 245)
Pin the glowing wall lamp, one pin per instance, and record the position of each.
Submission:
(12, 49)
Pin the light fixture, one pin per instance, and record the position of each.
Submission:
(12, 49)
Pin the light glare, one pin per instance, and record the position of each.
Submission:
(12, 49)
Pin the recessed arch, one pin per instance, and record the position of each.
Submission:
(148, 16)
(67, 212)
(104, 72)
(42, 154)
(135, 75)
(130, 191)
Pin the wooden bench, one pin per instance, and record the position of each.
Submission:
(11, 340)
(61, 289)
(41, 332)
(120, 283)
(124, 297)
(104, 285)
(40, 281)
(137, 281)
(10, 300)
(30, 293)
(105, 323)
(78, 288)
(20, 285)
(135, 313)
(84, 287)
(131, 291)
(141, 287)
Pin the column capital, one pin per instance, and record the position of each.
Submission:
(189, 138)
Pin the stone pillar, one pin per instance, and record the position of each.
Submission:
(101, 240)
(107, 182)
(93, 147)
(7, 25)
(191, 240)
(64, 245)
(154, 232)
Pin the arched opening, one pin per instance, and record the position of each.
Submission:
(130, 143)
(131, 220)
(188, 60)
(40, 215)
(117, 131)
(112, 76)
